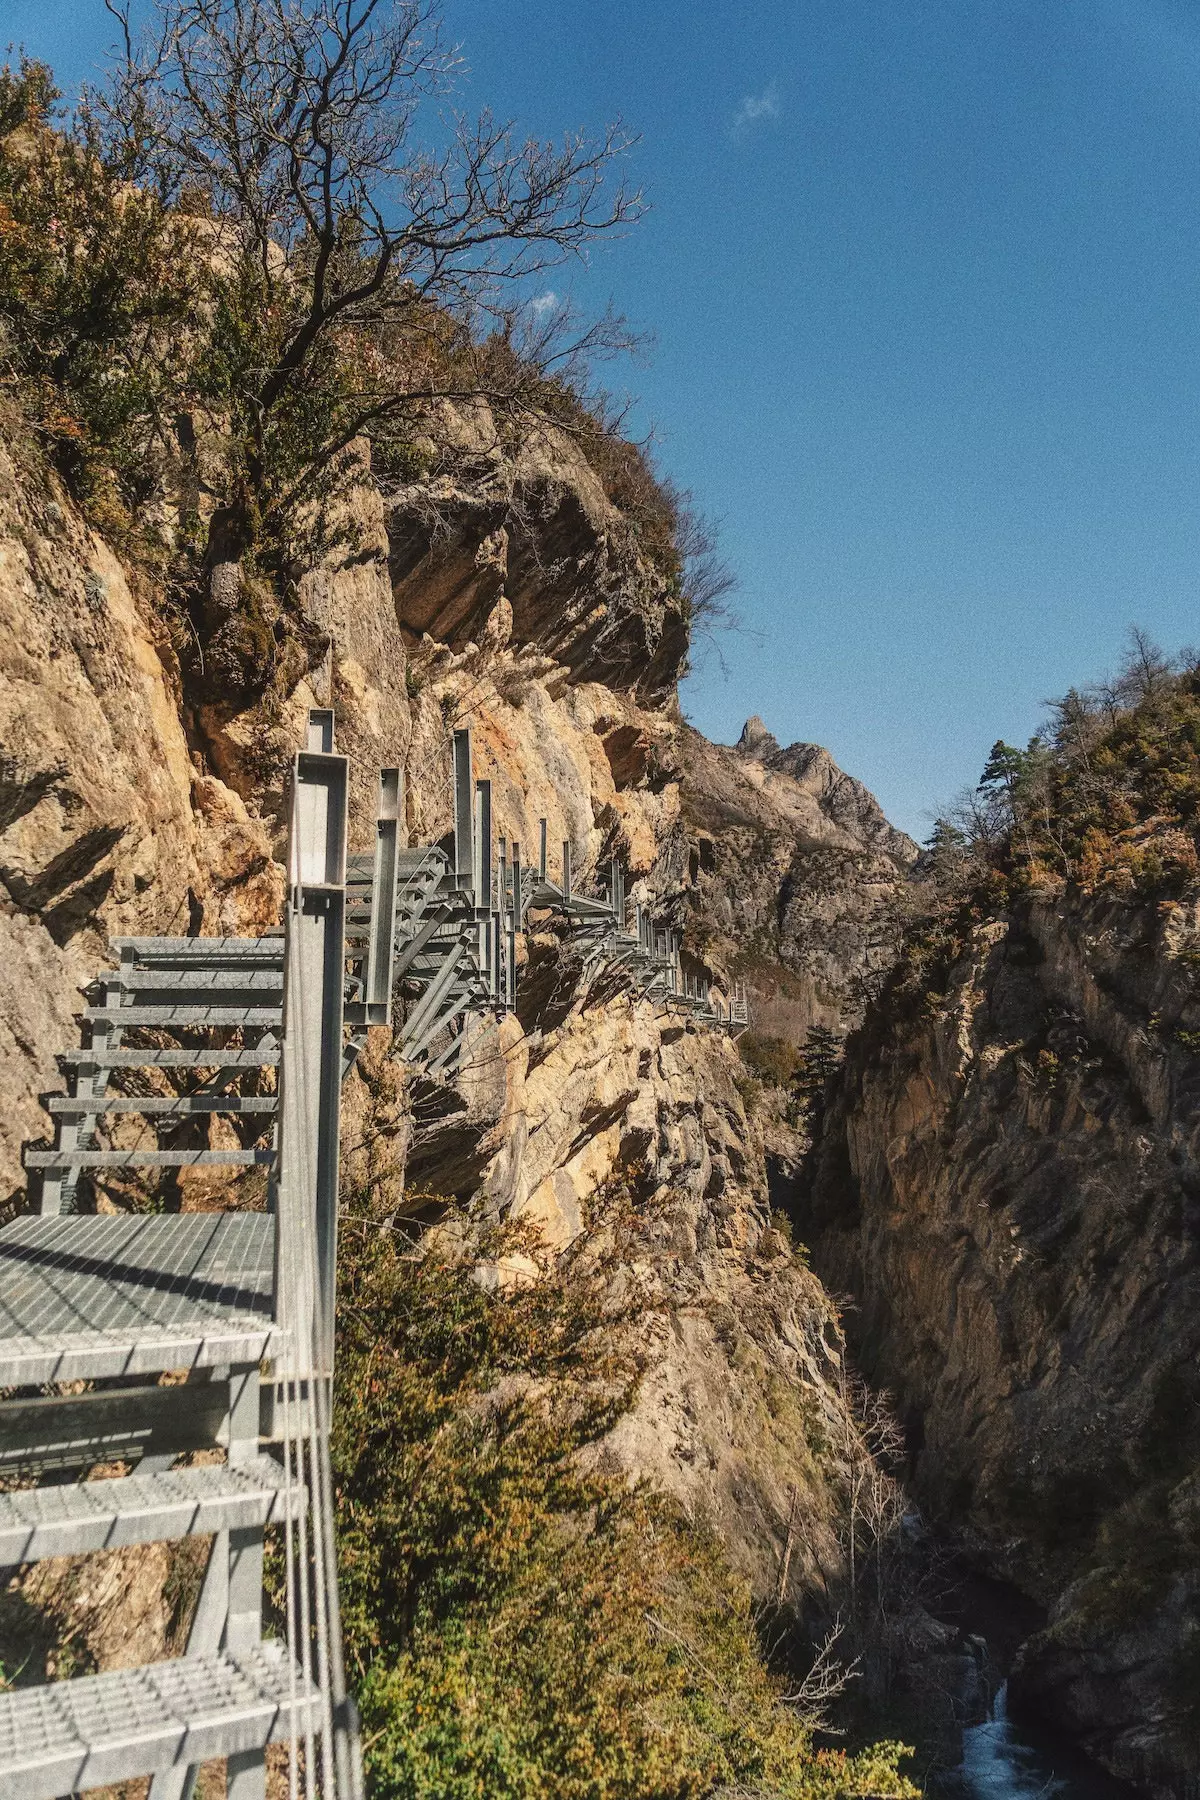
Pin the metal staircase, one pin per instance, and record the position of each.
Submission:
(650, 956)
(455, 917)
(414, 928)
(234, 1307)
(212, 1331)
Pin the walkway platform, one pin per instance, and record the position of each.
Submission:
(72, 1735)
(90, 1296)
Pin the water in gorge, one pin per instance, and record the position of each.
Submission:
(1005, 1761)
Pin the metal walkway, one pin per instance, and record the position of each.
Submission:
(451, 952)
(213, 1331)
(74, 1735)
(232, 1308)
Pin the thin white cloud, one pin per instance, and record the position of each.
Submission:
(544, 303)
(755, 107)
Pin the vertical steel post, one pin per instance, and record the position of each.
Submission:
(502, 927)
(381, 951)
(311, 1056)
(464, 814)
(514, 925)
(496, 971)
(566, 880)
(483, 870)
(541, 849)
(319, 736)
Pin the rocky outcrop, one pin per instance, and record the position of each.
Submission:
(137, 800)
(521, 545)
(1009, 1183)
(107, 822)
(816, 794)
(794, 869)
(740, 1349)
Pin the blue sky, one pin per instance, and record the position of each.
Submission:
(925, 283)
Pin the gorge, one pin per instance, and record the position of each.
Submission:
(694, 1382)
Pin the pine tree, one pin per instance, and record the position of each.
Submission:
(1004, 769)
(821, 1055)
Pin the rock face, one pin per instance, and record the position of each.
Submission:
(1009, 1183)
(795, 869)
(523, 545)
(509, 596)
(107, 823)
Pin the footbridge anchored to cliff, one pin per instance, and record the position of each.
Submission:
(193, 1351)
(457, 914)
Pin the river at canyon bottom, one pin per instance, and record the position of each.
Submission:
(1003, 1761)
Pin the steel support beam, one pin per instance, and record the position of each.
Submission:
(311, 1071)
(483, 874)
(382, 949)
(464, 821)
(427, 1007)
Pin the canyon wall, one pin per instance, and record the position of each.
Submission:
(1008, 1184)
(794, 874)
(144, 778)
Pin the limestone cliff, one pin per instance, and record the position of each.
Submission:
(507, 594)
(530, 521)
(1008, 1183)
(795, 868)
(108, 821)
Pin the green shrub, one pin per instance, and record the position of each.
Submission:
(516, 1625)
(96, 282)
(772, 1059)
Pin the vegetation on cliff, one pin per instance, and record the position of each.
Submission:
(520, 1623)
(234, 268)
(1104, 799)
(1011, 1146)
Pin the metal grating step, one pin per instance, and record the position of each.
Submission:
(170, 1016)
(73, 1735)
(69, 1158)
(205, 981)
(173, 1105)
(85, 1296)
(76, 1518)
(210, 1057)
(189, 950)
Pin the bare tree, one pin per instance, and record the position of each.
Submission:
(708, 579)
(825, 1682)
(871, 1440)
(1145, 672)
(354, 272)
(1146, 669)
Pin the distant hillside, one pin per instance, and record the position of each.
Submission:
(796, 869)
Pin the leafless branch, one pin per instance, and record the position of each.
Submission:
(825, 1682)
(294, 126)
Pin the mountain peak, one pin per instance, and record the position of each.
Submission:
(756, 740)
